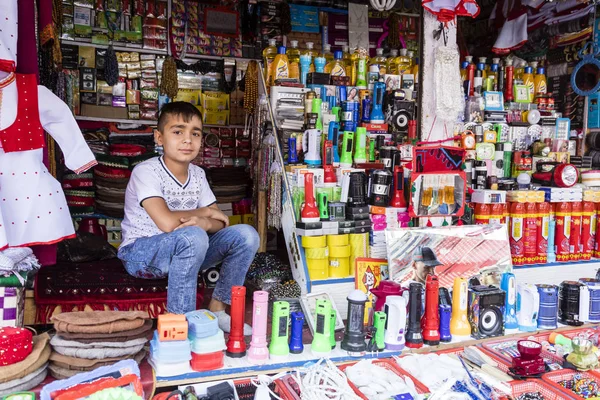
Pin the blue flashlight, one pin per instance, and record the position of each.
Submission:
(296, 346)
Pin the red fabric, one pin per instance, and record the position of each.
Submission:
(46, 254)
(26, 133)
(8, 66)
(27, 58)
(15, 345)
(97, 284)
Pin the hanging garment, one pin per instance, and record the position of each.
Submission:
(447, 10)
(511, 19)
(33, 209)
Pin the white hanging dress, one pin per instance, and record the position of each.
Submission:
(33, 209)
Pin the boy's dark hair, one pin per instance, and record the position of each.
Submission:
(182, 109)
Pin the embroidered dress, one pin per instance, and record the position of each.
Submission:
(33, 209)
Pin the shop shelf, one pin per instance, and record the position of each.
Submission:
(389, 365)
(552, 378)
(535, 385)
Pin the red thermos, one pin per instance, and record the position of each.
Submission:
(482, 213)
(562, 232)
(530, 235)
(542, 231)
(575, 239)
(516, 233)
(588, 227)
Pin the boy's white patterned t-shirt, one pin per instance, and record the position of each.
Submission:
(152, 178)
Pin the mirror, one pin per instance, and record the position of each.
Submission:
(585, 78)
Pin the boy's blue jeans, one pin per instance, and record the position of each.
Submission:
(181, 254)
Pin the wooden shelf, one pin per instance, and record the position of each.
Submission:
(142, 121)
(140, 49)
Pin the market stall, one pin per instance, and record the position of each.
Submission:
(429, 168)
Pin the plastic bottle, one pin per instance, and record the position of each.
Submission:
(392, 63)
(415, 70)
(539, 82)
(327, 54)
(528, 81)
(482, 64)
(411, 56)
(347, 60)
(293, 55)
(359, 68)
(280, 67)
(336, 67)
(492, 77)
(508, 89)
(501, 77)
(269, 54)
(312, 53)
(404, 62)
(463, 70)
(380, 61)
(519, 71)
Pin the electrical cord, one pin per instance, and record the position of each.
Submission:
(263, 391)
(323, 380)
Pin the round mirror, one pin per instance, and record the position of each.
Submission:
(585, 78)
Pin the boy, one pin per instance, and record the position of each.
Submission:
(173, 226)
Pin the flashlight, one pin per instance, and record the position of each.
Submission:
(414, 337)
(354, 335)
(379, 322)
(236, 346)
(296, 345)
(332, 328)
(445, 314)
(562, 175)
(347, 146)
(279, 329)
(258, 352)
(321, 345)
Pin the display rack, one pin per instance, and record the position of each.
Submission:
(240, 367)
(142, 121)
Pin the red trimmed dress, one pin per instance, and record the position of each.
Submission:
(33, 209)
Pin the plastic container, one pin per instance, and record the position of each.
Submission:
(209, 344)
(162, 369)
(552, 379)
(339, 261)
(535, 385)
(172, 352)
(389, 365)
(207, 362)
(318, 268)
(202, 324)
(317, 262)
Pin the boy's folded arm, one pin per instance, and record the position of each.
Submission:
(167, 220)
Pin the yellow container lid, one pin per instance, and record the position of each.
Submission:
(311, 242)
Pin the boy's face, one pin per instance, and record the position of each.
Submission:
(181, 140)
